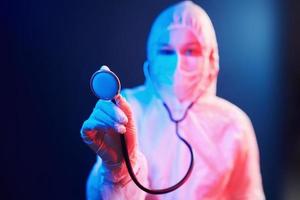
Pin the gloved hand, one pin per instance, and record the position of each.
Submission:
(101, 132)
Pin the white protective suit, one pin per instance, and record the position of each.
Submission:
(226, 164)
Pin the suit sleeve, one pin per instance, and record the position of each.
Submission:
(246, 182)
(102, 184)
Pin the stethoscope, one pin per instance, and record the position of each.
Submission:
(106, 86)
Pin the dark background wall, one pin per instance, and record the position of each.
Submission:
(49, 50)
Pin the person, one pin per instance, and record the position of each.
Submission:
(181, 74)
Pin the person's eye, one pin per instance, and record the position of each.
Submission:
(166, 51)
(192, 52)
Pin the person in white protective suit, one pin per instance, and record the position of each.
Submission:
(181, 69)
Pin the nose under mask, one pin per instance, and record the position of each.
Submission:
(180, 76)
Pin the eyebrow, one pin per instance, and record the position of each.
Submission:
(187, 44)
(193, 43)
(164, 44)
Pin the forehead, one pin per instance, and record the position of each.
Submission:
(178, 37)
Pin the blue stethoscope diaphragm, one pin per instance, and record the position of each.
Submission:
(105, 84)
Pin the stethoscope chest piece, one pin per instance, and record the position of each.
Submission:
(105, 84)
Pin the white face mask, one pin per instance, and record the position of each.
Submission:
(181, 76)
